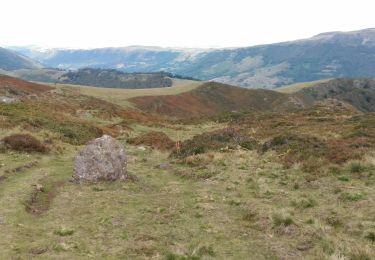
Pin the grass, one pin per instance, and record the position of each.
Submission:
(356, 167)
(298, 86)
(160, 214)
(63, 232)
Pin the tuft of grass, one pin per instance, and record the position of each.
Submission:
(356, 167)
(361, 253)
(63, 232)
(352, 196)
(310, 221)
(249, 215)
(343, 178)
(334, 220)
(305, 203)
(370, 236)
(281, 220)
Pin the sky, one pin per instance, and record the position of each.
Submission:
(175, 23)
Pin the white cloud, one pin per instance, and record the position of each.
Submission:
(185, 23)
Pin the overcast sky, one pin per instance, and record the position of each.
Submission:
(175, 23)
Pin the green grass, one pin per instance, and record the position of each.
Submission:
(167, 216)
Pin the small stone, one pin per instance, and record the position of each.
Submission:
(39, 187)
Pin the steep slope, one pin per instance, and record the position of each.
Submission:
(327, 55)
(10, 60)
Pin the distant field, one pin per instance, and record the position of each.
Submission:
(298, 86)
(120, 96)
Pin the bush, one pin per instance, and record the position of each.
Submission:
(228, 138)
(24, 143)
(154, 139)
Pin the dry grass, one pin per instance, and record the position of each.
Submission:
(298, 86)
(121, 96)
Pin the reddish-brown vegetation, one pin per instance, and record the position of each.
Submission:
(22, 86)
(228, 138)
(210, 99)
(24, 143)
(156, 140)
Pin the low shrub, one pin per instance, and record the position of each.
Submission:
(154, 139)
(219, 140)
(24, 143)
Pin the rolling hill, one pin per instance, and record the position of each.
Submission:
(327, 55)
(212, 98)
(359, 93)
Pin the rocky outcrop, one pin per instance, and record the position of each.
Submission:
(102, 159)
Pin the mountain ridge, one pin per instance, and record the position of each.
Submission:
(326, 55)
(11, 60)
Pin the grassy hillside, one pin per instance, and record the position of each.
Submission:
(213, 98)
(299, 86)
(14, 87)
(210, 99)
(264, 184)
(360, 93)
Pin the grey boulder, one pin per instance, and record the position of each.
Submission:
(102, 159)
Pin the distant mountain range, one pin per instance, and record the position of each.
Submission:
(327, 55)
(11, 60)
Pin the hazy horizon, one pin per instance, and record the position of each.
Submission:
(181, 24)
(41, 47)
